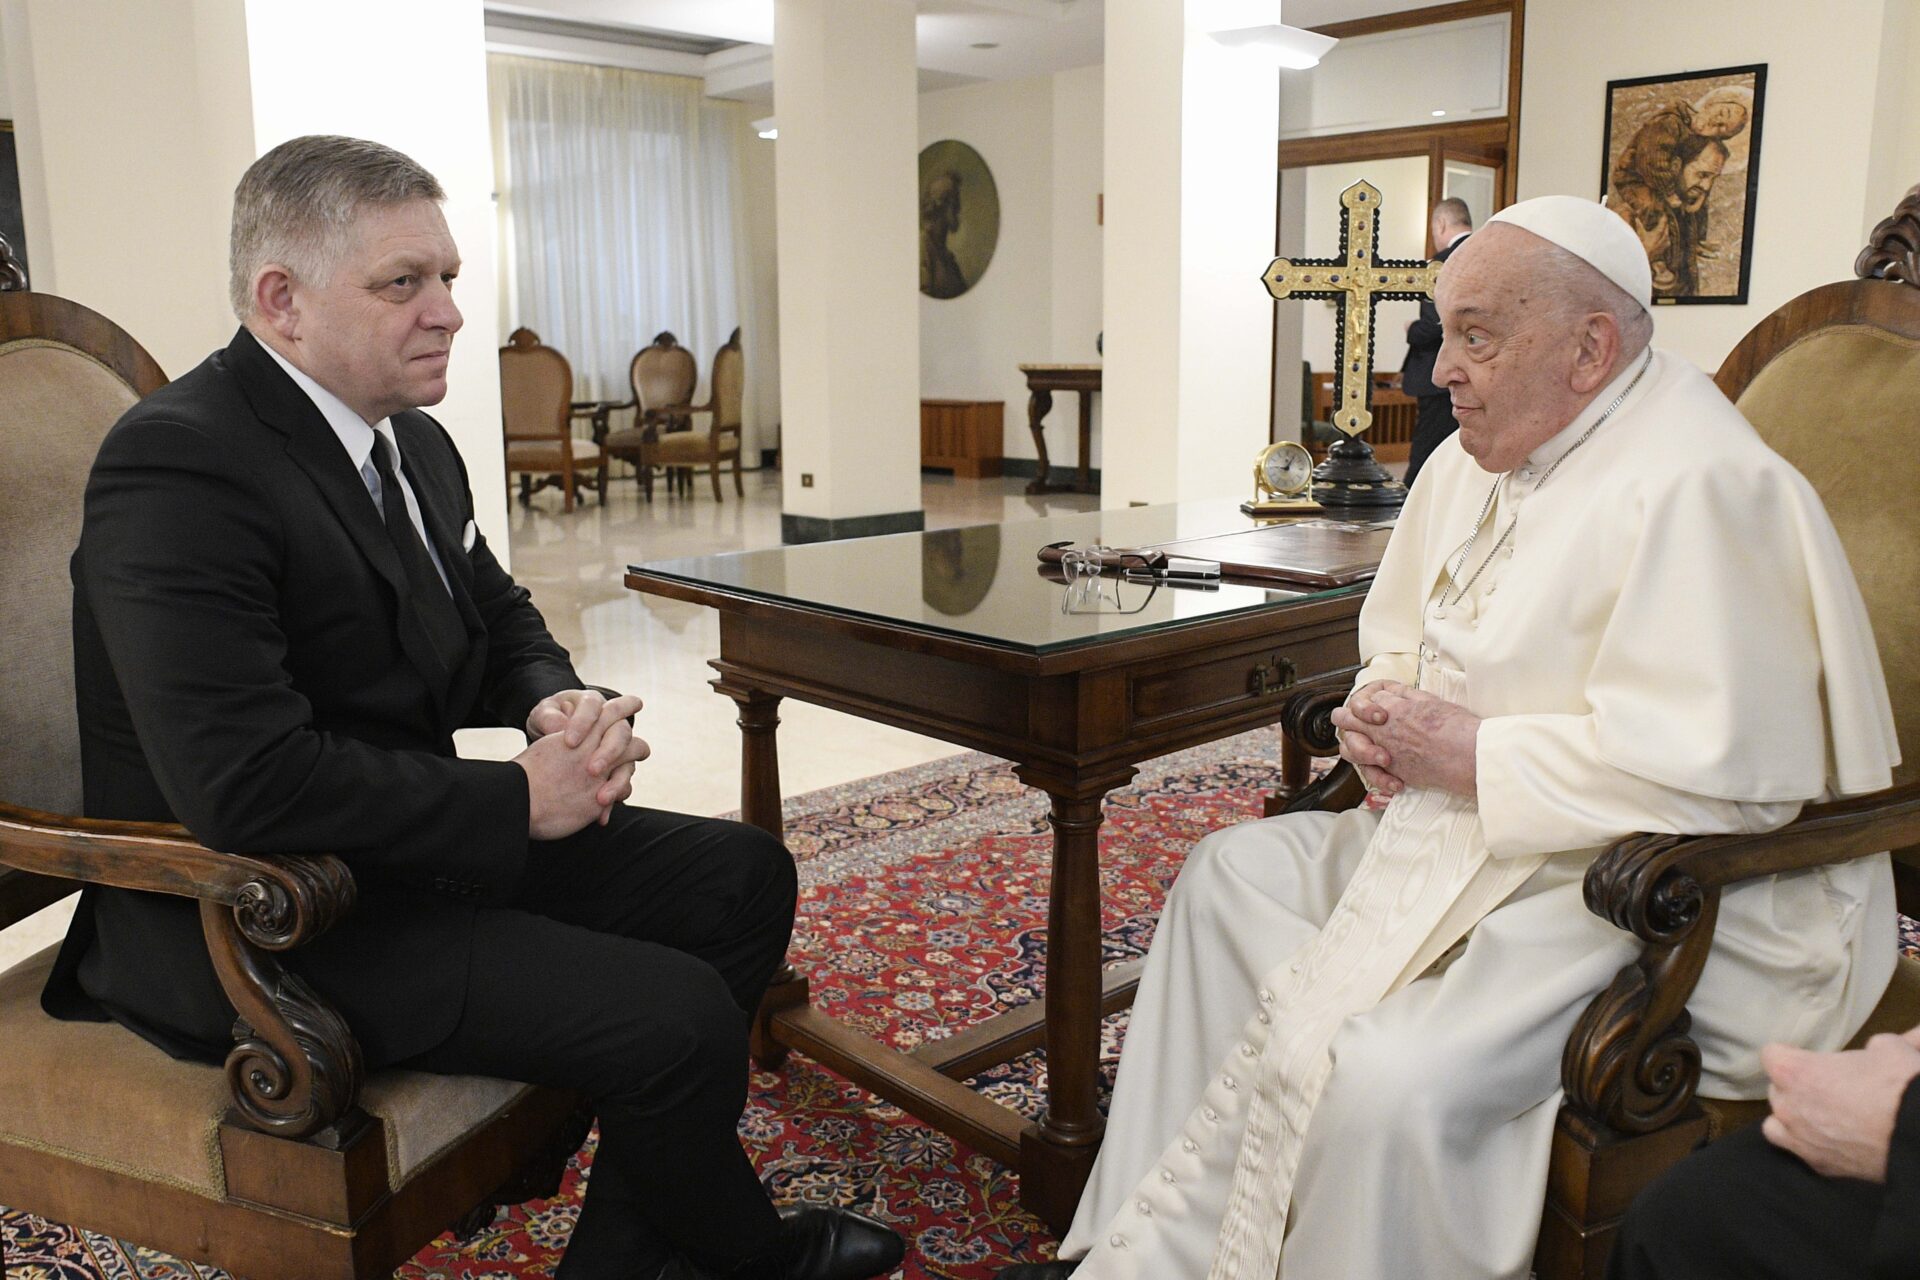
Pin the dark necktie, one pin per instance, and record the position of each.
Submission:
(428, 601)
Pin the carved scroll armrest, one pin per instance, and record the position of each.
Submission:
(1307, 722)
(278, 903)
(295, 1067)
(1630, 1064)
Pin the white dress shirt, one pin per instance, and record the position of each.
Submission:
(356, 437)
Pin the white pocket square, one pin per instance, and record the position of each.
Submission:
(469, 535)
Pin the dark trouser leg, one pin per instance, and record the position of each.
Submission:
(1742, 1209)
(653, 939)
(1433, 424)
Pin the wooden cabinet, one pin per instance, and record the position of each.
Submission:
(964, 435)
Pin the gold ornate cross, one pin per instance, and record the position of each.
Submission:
(1357, 279)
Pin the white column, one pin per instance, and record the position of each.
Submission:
(145, 116)
(1191, 136)
(846, 178)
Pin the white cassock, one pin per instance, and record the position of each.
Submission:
(1344, 1057)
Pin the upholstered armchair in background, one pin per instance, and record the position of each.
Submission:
(663, 374)
(536, 409)
(682, 451)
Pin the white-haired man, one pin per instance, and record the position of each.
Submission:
(1608, 608)
(282, 611)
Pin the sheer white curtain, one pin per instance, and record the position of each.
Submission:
(620, 204)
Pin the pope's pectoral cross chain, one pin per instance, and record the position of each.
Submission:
(1357, 280)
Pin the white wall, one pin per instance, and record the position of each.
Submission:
(1191, 131)
(1079, 241)
(849, 259)
(971, 346)
(1828, 82)
(128, 193)
(1040, 297)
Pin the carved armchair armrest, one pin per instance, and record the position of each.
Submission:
(1307, 723)
(295, 1067)
(1630, 1065)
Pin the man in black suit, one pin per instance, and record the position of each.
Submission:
(1826, 1188)
(282, 611)
(1450, 223)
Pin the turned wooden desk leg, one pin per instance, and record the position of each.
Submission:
(1038, 405)
(1085, 484)
(1056, 1155)
(760, 806)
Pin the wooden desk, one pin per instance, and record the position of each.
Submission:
(1076, 702)
(1042, 381)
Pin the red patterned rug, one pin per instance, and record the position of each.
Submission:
(923, 909)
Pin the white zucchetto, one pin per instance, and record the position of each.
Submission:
(1591, 232)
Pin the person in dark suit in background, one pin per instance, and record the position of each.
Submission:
(1450, 223)
(282, 612)
(1827, 1187)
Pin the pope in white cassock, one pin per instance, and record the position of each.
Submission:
(1608, 607)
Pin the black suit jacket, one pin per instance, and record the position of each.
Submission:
(240, 668)
(1423, 342)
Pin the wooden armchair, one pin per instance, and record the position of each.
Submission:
(290, 1161)
(1831, 380)
(663, 374)
(536, 408)
(682, 451)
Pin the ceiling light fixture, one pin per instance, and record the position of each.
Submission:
(766, 128)
(1292, 47)
(1438, 114)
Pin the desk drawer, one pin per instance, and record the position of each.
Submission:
(1238, 679)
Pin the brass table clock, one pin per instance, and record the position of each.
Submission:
(1282, 481)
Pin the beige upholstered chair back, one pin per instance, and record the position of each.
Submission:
(664, 374)
(536, 388)
(1832, 381)
(729, 384)
(66, 376)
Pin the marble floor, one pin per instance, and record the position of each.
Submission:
(659, 648)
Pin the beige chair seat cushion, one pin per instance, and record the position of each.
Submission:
(546, 455)
(96, 1093)
(675, 447)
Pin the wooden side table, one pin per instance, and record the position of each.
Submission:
(1042, 381)
(965, 435)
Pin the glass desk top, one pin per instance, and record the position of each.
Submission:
(985, 583)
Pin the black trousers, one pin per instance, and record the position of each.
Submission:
(1432, 424)
(628, 967)
(1743, 1209)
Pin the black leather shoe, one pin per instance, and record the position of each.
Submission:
(1039, 1271)
(838, 1244)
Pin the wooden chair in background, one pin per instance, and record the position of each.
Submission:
(684, 450)
(289, 1161)
(663, 374)
(536, 394)
(1830, 381)
(1394, 413)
